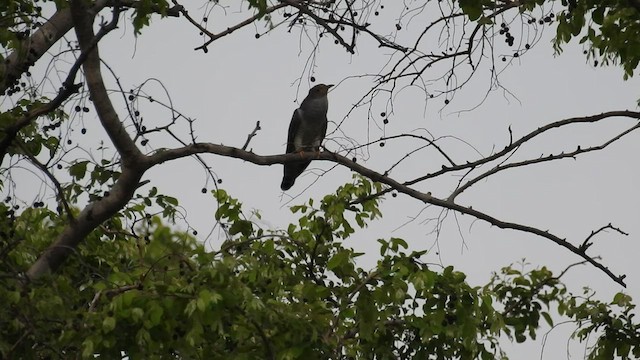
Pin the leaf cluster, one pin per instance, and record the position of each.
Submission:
(609, 27)
(286, 294)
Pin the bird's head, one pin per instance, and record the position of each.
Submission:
(319, 90)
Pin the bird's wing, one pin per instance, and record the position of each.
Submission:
(294, 126)
(324, 130)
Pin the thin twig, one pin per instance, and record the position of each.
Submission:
(586, 244)
(250, 136)
(53, 179)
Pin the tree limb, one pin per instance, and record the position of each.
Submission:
(162, 156)
(32, 48)
(107, 114)
(122, 191)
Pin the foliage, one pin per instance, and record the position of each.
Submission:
(16, 20)
(610, 27)
(137, 287)
(294, 293)
(144, 10)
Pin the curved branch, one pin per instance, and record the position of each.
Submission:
(67, 89)
(470, 165)
(541, 159)
(122, 191)
(83, 21)
(213, 37)
(165, 155)
(34, 47)
(53, 179)
(515, 144)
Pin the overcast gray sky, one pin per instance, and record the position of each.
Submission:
(242, 80)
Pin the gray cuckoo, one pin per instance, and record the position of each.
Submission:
(307, 130)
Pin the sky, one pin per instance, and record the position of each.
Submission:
(242, 80)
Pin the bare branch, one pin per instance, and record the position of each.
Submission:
(53, 179)
(516, 144)
(213, 37)
(541, 159)
(250, 136)
(162, 156)
(586, 244)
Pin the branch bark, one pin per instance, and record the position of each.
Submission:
(124, 188)
(133, 168)
(32, 48)
(67, 89)
(199, 148)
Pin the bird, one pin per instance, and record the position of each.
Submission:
(307, 130)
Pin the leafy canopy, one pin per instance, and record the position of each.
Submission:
(286, 294)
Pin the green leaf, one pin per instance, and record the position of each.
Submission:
(154, 314)
(621, 299)
(598, 15)
(338, 260)
(78, 170)
(473, 8)
(108, 324)
(244, 227)
(485, 21)
(87, 349)
(547, 318)
(171, 200)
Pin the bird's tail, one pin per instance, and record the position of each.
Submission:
(291, 173)
(287, 183)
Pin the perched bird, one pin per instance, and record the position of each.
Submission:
(307, 130)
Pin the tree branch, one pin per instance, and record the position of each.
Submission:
(67, 89)
(541, 159)
(587, 242)
(132, 165)
(213, 37)
(32, 48)
(165, 155)
(53, 179)
(83, 22)
(251, 135)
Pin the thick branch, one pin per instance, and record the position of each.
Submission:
(166, 155)
(83, 22)
(67, 89)
(132, 169)
(90, 218)
(32, 48)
